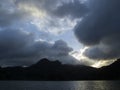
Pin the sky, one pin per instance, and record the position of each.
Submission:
(72, 31)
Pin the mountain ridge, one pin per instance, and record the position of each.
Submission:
(54, 70)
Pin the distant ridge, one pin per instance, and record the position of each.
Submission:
(54, 70)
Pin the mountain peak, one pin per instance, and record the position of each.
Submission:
(46, 62)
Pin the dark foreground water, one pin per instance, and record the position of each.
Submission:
(59, 85)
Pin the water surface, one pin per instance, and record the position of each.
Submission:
(59, 85)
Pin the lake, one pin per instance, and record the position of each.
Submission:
(59, 85)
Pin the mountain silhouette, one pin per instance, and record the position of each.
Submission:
(111, 72)
(47, 63)
(54, 70)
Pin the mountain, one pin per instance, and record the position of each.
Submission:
(111, 72)
(54, 70)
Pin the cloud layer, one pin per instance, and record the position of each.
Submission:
(9, 13)
(18, 47)
(97, 29)
(58, 15)
(100, 30)
(60, 8)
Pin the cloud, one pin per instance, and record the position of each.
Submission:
(18, 47)
(97, 29)
(53, 5)
(13, 41)
(73, 9)
(59, 8)
(53, 16)
(100, 30)
(9, 13)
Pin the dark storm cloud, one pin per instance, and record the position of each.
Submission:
(13, 41)
(18, 47)
(100, 30)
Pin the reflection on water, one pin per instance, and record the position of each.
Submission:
(59, 85)
(96, 85)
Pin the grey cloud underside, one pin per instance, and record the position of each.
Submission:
(73, 9)
(100, 30)
(9, 13)
(20, 48)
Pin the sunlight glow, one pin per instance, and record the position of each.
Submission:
(34, 11)
(101, 63)
(90, 62)
(79, 55)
